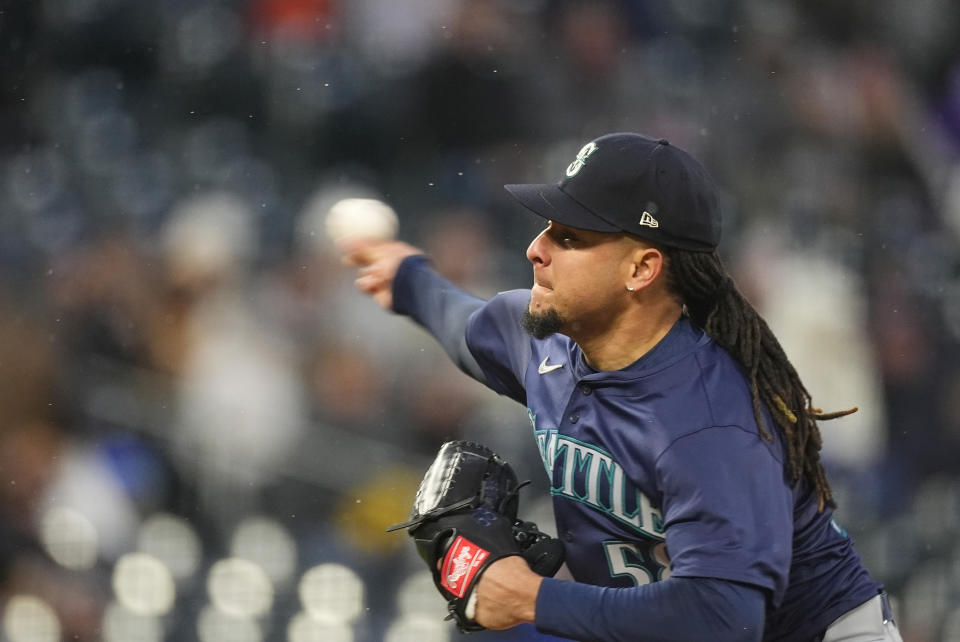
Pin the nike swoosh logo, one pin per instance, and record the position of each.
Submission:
(544, 368)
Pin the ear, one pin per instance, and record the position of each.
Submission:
(645, 267)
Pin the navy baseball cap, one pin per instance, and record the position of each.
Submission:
(630, 183)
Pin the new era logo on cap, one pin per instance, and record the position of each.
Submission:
(631, 183)
(648, 220)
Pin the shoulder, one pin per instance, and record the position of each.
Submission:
(703, 387)
(702, 378)
(720, 373)
(727, 394)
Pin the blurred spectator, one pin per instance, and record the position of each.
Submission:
(32, 446)
(239, 405)
(815, 305)
(468, 96)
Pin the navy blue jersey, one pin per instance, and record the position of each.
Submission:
(656, 470)
(659, 469)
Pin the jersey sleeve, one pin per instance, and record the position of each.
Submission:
(673, 610)
(439, 306)
(485, 339)
(727, 508)
(501, 347)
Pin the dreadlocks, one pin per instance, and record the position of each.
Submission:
(713, 302)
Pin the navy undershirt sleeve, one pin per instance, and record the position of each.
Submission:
(438, 305)
(687, 608)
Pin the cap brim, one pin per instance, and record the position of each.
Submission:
(552, 203)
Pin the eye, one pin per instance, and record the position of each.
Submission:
(564, 237)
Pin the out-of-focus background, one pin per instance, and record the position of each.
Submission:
(204, 430)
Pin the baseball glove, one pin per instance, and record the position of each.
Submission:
(464, 518)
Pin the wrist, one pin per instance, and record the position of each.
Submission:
(527, 602)
(507, 594)
(525, 586)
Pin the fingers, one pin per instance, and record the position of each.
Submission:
(373, 283)
(384, 298)
(358, 252)
(367, 284)
(378, 262)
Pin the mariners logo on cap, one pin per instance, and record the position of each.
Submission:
(581, 159)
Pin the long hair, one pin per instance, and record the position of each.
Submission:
(712, 301)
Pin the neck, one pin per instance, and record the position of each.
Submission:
(632, 335)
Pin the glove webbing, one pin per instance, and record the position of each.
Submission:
(469, 502)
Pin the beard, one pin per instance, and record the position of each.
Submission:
(541, 325)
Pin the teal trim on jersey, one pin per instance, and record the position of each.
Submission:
(840, 529)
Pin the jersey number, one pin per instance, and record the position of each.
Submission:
(643, 562)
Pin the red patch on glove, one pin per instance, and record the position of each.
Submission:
(460, 565)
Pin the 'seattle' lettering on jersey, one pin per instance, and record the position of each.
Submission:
(659, 469)
(591, 475)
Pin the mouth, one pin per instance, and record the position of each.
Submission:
(540, 289)
(539, 295)
(538, 283)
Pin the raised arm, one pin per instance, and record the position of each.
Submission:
(400, 278)
(378, 262)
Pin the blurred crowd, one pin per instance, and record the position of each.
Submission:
(178, 338)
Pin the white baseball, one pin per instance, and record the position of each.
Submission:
(367, 218)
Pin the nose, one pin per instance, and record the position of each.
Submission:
(536, 251)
